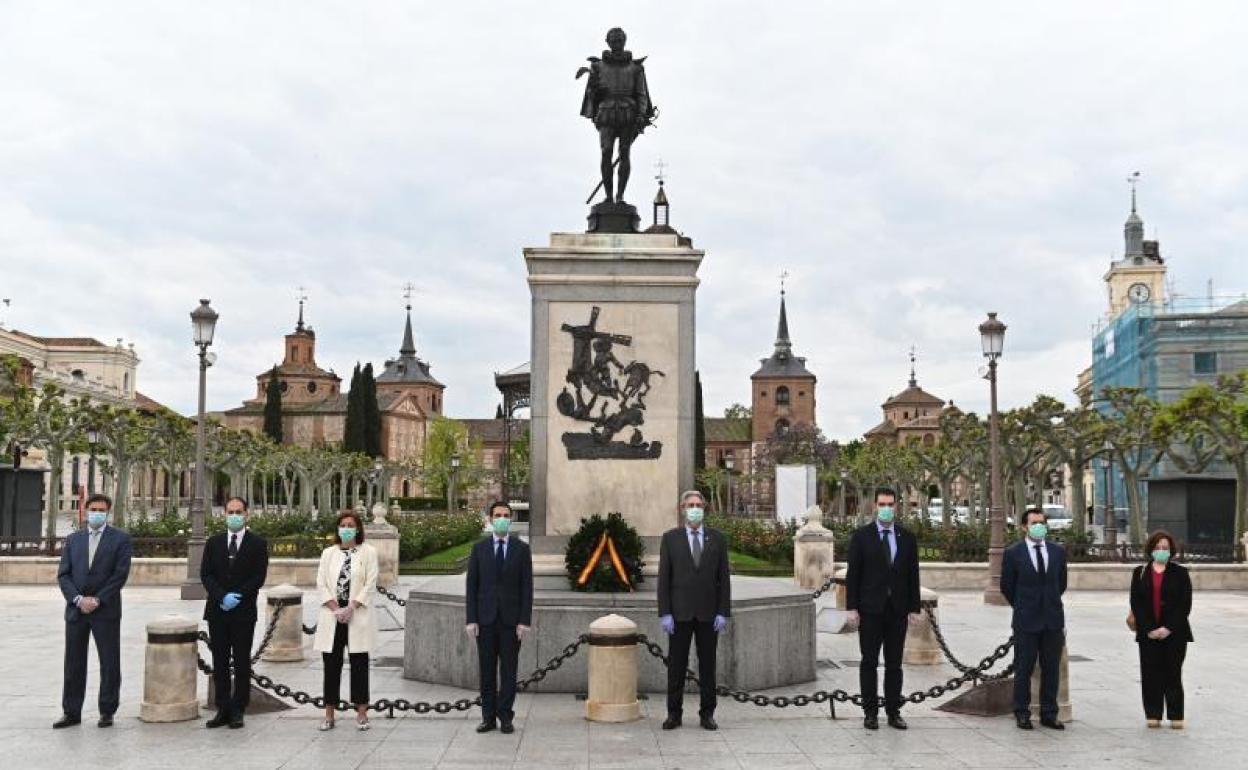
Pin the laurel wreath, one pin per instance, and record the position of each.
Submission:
(605, 555)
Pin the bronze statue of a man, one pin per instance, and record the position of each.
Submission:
(618, 101)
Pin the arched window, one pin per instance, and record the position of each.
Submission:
(905, 415)
(929, 440)
(782, 427)
(782, 396)
(407, 488)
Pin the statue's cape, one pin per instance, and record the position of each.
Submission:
(589, 102)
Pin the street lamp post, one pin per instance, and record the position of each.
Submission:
(204, 324)
(992, 337)
(729, 463)
(93, 438)
(841, 503)
(1111, 515)
(450, 487)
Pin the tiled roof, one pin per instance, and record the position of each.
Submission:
(727, 430)
(61, 342)
(914, 395)
(491, 431)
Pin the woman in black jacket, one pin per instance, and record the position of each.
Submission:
(1161, 600)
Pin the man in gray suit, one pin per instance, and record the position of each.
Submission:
(695, 601)
(95, 563)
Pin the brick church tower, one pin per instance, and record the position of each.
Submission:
(783, 389)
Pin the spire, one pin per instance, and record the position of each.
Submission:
(914, 381)
(303, 295)
(1133, 230)
(661, 222)
(409, 346)
(784, 346)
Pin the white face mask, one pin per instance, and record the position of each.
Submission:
(693, 515)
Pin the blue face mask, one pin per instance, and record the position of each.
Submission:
(346, 534)
(96, 519)
(1037, 531)
(694, 515)
(1161, 555)
(885, 514)
(501, 525)
(235, 521)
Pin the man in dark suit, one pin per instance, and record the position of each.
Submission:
(882, 599)
(233, 570)
(95, 564)
(695, 602)
(499, 604)
(1033, 579)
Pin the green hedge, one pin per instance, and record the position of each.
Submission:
(771, 541)
(425, 533)
(267, 525)
(426, 503)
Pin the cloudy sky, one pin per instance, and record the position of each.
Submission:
(910, 165)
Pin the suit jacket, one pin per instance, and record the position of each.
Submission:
(687, 592)
(870, 583)
(1037, 605)
(103, 579)
(244, 577)
(362, 628)
(1176, 601)
(506, 598)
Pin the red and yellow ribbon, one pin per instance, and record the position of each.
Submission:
(605, 543)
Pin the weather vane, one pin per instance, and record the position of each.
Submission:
(660, 165)
(408, 288)
(1133, 180)
(784, 274)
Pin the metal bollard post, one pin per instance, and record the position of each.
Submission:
(612, 671)
(287, 642)
(169, 671)
(922, 649)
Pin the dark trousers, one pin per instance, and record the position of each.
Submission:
(702, 633)
(885, 629)
(107, 635)
(498, 653)
(333, 670)
(231, 645)
(1161, 677)
(1028, 647)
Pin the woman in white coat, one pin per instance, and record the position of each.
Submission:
(347, 580)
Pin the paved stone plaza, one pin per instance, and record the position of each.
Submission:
(1108, 730)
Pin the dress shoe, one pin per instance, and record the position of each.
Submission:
(1053, 723)
(896, 722)
(708, 723)
(1023, 721)
(487, 726)
(236, 722)
(1176, 724)
(671, 723)
(506, 727)
(1154, 723)
(220, 720)
(66, 721)
(871, 722)
(106, 720)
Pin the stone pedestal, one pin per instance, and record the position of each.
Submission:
(613, 217)
(621, 303)
(287, 642)
(169, 671)
(384, 537)
(1064, 711)
(922, 649)
(813, 551)
(612, 671)
(840, 587)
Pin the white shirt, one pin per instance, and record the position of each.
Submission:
(892, 536)
(1031, 551)
(494, 545)
(238, 543)
(692, 533)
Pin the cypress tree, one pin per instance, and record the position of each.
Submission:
(371, 412)
(699, 434)
(353, 431)
(273, 408)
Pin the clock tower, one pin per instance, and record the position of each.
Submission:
(1139, 277)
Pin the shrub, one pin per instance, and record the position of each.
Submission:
(425, 503)
(764, 539)
(425, 533)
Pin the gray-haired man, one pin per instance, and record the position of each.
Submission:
(695, 601)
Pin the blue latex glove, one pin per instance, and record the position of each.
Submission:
(721, 623)
(668, 624)
(231, 601)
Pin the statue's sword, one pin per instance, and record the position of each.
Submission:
(598, 187)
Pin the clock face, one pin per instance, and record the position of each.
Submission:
(1139, 292)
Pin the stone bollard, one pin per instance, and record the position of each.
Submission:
(287, 642)
(922, 649)
(385, 539)
(170, 671)
(812, 551)
(1064, 710)
(612, 670)
(840, 587)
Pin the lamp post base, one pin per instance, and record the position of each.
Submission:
(995, 597)
(192, 588)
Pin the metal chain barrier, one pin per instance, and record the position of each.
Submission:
(268, 633)
(832, 580)
(841, 696)
(389, 706)
(391, 596)
(981, 669)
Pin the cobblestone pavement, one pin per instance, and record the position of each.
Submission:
(1108, 728)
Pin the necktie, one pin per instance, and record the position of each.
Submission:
(1040, 561)
(95, 543)
(697, 548)
(888, 546)
(233, 550)
(499, 556)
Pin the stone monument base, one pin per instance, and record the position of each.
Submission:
(607, 217)
(770, 641)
